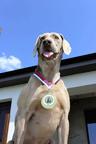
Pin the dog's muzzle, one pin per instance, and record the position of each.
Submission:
(46, 43)
(48, 52)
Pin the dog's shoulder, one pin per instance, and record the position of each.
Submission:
(61, 84)
(64, 97)
(22, 96)
(28, 91)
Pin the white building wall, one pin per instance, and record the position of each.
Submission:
(82, 83)
(77, 84)
(11, 94)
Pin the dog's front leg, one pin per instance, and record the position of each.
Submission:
(63, 129)
(18, 136)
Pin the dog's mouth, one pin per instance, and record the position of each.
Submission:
(48, 55)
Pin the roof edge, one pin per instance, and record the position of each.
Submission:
(69, 66)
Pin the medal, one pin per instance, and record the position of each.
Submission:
(48, 101)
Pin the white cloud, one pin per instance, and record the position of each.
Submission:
(9, 63)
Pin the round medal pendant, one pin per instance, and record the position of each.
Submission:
(48, 101)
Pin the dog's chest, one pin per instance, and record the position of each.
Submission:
(44, 123)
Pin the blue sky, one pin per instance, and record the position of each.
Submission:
(21, 21)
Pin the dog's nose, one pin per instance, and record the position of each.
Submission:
(46, 42)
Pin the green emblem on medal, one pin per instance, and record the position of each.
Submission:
(48, 101)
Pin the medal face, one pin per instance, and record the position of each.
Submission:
(48, 101)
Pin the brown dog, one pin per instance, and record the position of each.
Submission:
(43, 107)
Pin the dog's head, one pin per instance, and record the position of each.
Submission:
(51, 45)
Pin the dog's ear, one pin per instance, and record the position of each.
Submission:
(65, 45)
(37, 44)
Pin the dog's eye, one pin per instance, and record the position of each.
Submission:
(42, 38)
(55, 36)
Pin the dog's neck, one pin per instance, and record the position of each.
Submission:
(50, 70)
